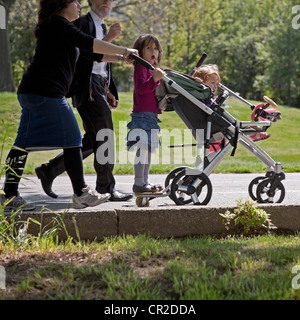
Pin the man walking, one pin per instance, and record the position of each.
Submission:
(91, 90)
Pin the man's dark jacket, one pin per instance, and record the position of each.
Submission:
(80, 89)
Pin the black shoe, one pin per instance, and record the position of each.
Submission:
(41, 173)
(119, 196)
(142, 189)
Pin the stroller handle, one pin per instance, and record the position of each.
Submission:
(199, 63)
(143, 62)
(201, 60)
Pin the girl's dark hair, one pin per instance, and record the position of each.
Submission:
(48, 9)
(143, 41)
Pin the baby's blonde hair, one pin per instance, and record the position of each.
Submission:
(206, 70)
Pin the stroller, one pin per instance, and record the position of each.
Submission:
(194, 104)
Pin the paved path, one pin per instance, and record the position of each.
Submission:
(227, 188)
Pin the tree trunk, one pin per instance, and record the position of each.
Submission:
(6, 75)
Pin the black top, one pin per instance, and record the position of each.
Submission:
(51, 71)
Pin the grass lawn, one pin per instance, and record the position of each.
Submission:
(283, 146)
(143, 268)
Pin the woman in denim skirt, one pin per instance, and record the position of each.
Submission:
(47, 120)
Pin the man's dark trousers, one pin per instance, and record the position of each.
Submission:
(96, 115)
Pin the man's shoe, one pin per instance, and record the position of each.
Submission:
(41, 173)
(120, 196)
(89, 198)
(15, 203)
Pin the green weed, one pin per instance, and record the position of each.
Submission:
(247, 218)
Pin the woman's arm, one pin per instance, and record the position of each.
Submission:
(86, 42)
(100, 46)
(113, 58)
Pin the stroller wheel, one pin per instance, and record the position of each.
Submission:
(191, 188)
(253, 186)
(170, 178)
(268, 193)
(172, 175)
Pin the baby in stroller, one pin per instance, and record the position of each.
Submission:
(209, 75)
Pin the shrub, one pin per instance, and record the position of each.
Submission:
(247, 218)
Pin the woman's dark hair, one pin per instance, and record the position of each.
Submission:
(48, 9)
(143, 41)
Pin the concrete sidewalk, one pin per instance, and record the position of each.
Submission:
(163, 218)
(227, 188)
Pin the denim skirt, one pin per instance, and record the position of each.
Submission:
(46, 123)
(143, 131)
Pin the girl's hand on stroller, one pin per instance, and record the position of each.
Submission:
(158, 74)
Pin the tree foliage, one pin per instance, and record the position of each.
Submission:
(252, 41)
(23, 18)
(6, 76)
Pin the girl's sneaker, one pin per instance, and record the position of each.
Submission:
(15, 203)
(89, 198)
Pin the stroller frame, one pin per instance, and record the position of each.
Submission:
(191, 182)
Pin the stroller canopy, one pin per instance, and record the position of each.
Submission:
(165, 91)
